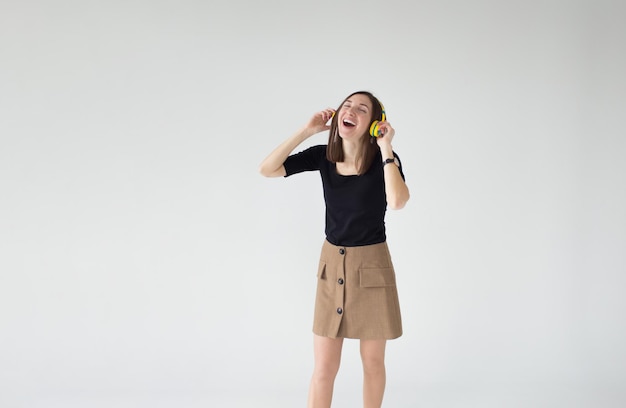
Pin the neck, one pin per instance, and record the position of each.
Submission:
(350, 151)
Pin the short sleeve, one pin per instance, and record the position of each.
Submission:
(306, 160)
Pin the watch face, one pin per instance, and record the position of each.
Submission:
(390, 160)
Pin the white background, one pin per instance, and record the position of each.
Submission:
(145, 263)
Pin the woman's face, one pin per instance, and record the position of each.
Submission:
(355, 117)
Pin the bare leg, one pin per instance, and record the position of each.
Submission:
(327, 353)
(374, 376)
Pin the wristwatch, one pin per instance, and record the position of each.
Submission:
(391, 160)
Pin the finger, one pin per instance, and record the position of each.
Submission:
(386, 129)
(386, 126)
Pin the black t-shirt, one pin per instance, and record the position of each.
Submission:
(355, 205)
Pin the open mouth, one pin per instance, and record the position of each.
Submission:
(348, 123)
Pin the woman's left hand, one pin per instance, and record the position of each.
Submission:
(387, 132)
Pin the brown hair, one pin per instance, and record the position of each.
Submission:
(369, 147)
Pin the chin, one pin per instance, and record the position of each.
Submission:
(351, 136)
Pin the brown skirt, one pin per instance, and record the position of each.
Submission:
(356, 293)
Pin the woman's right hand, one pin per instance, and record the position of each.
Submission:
(317, 123)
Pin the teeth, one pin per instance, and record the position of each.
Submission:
(349, 122)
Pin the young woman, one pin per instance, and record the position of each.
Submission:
(356, 289)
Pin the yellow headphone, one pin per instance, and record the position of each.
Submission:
(375, 126)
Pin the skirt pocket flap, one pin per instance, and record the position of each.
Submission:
(321, 270)
(377, 277)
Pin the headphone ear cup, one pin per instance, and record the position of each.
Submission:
(375, 129)
(375, 126)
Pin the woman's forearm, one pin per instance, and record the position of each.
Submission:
(272, 166)
(397, 192)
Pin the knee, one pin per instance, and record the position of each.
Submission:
(325, 372)
(373, 365)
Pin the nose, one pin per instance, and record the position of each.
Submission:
(352, 110)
